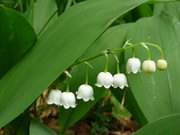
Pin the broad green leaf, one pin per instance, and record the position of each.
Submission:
(40, 13)
(14, 43)
(168, 125)
(37, 128)
(67, 117)
(157, 94)
(59, 46)
(172, 9)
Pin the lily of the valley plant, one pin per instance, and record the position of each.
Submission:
(105, 79)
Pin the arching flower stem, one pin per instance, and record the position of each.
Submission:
(147, 49)
(157, 47)
(88, 65)
(127, 46)
(117, 62)
(107, 62)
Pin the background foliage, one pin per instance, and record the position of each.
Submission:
(40, 39)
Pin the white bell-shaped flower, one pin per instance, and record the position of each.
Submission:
(68, 100)
(120, 81)
(149, 66)
(54, 97)
(133, 65)
(85, 92)
(162, 64)
(104, 79)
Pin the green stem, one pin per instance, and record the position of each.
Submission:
(117, 51)
(107, 62)
(88, 59)
(126, 44)
(87, 75)
(123, 99)
(69, 76)
(125, 48)
(67, 87)
(157, 47)
(117, 62)
(147, 49)
(133, 52)
(88, 65)
(147, 44)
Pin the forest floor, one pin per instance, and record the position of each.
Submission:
(95, 123)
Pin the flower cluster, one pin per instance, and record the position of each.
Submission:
(148, 66)
(68, 99)
(105, 79)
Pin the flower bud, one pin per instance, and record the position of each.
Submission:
(162, 64)
(149, 66)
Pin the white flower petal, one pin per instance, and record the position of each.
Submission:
(85, 92)
(66, 106)
(73, 106)
(120, 80)
(133, 65)
(104, 79)
(115, 86)
(100, 78)
(107, 86)
(54, 97)
(68, 100)
(98, 85)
